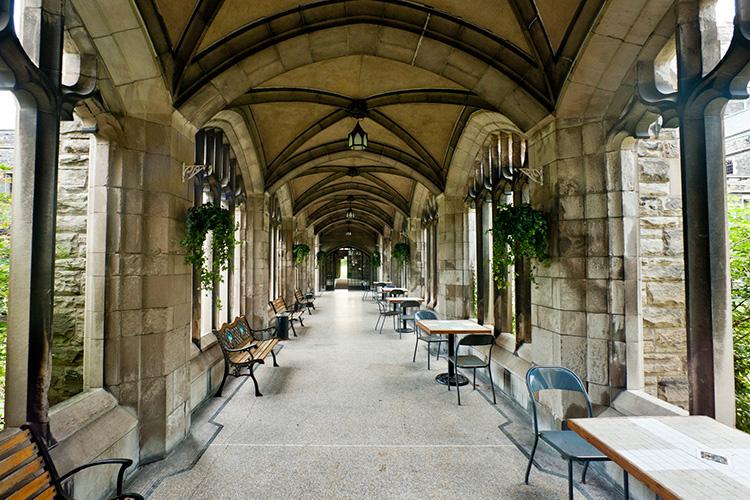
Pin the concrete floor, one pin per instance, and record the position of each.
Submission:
(348, 415)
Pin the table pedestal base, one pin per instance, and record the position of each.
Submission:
(445, 379)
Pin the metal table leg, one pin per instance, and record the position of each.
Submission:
(451, 377)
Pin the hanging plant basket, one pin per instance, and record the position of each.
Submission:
(518, 231)
(401, 252)
(376, 260)
(321, 257)
(200, 220)
(300, 252)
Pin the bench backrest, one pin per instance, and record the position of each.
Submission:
(299, 295)
(234, 334)
(26, 471)
(279, 305)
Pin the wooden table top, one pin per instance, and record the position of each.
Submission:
(452, 326)
(676, 457)
(404, 299)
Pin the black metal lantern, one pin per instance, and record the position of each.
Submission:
(348, 229)
(358, 138)
(350, 212)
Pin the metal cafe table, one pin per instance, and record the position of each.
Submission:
(451, 328)
(401, 300)
(675, 457)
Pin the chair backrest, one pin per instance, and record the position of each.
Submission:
(411, 303)
(397, 293)
(478, 339)
(425, 314)
(26, 469)
(541, 378)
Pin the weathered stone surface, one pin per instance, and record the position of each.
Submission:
(662, 268)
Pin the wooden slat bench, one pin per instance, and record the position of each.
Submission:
(304, 301)
(27, 471)
(295, 314)
(243, 348)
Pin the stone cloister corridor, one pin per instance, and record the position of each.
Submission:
(562, 183)
(347, 414)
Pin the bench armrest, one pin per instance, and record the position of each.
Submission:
(262, 330)
(124, 463)
(242, 349)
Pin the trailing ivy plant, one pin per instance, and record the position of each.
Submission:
(518, 231)
(300, 251)
(321, 257)
(376, 261)
(401, 252)
(200, 220)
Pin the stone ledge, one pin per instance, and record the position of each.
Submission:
(636, 403)
(92, 426)
(71, 415)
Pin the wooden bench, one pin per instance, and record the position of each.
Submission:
(243, 348)
(304, 301)
(27, 471)
(295, 314)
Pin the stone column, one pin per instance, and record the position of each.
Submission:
(257, 279)
(287, 262)
(415, 268)
(454, 282)
(147, 336)
(34, 209)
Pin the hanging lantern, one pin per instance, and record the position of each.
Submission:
(357, 138)
(350, 213)
(348, 229)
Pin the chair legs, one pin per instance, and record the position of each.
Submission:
(570, 479)
(458, 387)
(585, 470)
(531, 459)
(414, 358)
(492, 386)
(626, 484)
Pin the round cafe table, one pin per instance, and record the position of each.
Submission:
(451, 328)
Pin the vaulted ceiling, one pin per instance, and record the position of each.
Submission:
(300, 74)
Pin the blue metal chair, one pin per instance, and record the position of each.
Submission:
(567, 443)
(430, 339)
(473, 362)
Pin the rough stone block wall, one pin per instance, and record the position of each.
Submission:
(662, 268)
(70, 265)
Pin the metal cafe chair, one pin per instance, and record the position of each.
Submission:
(405, 318)
(385, 311)
(473, 362)
(567, 443)
(430, 339)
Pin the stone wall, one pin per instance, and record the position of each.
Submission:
(662, 268)
(70, 265)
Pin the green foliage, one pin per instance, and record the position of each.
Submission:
(200, 220)
(4, 270)
(376, 261)
(300, 252)
(473, 292)
(321, 257)
(518, 231)
(739, 247)
(401, 252)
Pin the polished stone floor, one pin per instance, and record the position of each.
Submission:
(348, 415)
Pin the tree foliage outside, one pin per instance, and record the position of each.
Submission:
(4, 269)
(739, 242)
